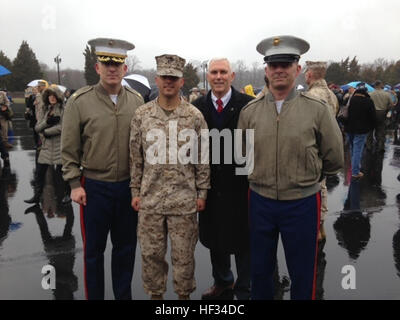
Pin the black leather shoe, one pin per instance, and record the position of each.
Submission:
(218, 293)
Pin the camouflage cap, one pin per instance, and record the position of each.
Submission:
(108, 49)
(282, 48)
(316, 65)
(170, 65)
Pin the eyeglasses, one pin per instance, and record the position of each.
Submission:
(283, 65)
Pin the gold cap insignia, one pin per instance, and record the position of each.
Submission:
(277, 41)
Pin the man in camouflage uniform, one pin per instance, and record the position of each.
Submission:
(383, 103)
(315, 73)
(167, 193)
(317, 87)
(194, 95)
(95, 158)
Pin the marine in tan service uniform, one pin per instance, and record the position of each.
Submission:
(167, 192)
(383, 103)
(296, 141)
(317, 87)
(95, 158)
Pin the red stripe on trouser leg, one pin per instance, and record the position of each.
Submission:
(316, 245)
(84, 241)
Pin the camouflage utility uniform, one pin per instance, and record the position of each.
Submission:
(168, 194)
(319, 89)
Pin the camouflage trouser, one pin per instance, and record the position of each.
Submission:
(324, 200)
(152, 234)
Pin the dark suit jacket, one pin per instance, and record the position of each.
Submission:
(223, 225)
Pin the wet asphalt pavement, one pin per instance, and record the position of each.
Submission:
(362, 230)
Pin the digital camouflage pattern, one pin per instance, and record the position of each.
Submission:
(319, 89)
(170, 65)
(152, 234)
(168, 189)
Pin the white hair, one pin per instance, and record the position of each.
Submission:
(220, 59)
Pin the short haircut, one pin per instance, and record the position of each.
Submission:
(220, 59)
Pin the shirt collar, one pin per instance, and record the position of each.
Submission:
(225, 99)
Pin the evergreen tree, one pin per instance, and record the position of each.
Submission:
(5, 81)
(25, 68)
(354, 70)
(344, 69)
(91, 75)
(334, 73)
(191, 78)
(367, 73)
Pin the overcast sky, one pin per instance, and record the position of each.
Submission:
(200, 30)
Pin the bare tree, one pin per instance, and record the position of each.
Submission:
(133, 64)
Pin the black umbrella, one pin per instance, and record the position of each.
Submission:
(140, 84)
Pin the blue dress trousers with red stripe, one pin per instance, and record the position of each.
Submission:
(108, 210)
(298, 223)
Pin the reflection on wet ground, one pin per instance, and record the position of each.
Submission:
(362, 230)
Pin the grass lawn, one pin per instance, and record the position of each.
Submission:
(19, 100)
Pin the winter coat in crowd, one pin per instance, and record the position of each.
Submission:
(50, 127)
(361, 115)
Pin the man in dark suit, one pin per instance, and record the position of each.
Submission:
(223, 225)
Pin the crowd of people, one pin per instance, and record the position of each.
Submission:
(101, 139)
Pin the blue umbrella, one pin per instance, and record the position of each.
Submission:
(355, 83)
(4, 71)
(344, 87)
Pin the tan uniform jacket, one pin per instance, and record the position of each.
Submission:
(95, 134)
(166, 188)
(381, 99)
(292, 149)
